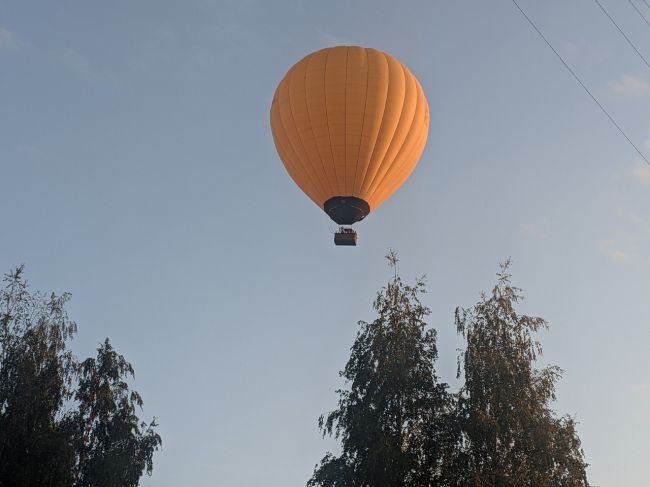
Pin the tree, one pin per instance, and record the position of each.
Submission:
(64, 423)
(34, 383)
(114, 447)
(511, 436)
(398, 425)
(392, 420)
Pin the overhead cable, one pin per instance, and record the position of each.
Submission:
(577, 78)
(645, 19)
(623, 33)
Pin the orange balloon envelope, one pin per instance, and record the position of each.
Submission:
(349, 124)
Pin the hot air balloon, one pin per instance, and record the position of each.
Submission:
(349, 124)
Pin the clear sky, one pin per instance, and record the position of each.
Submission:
(138, 172)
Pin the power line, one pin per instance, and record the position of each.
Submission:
(577, 78)
(646, 3)
(621, 31)
(639, 11)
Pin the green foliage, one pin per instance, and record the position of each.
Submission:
(398, 425)
(511, 435)
(64, 423)
(389, 418)
(114, 447)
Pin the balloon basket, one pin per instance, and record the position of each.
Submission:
(345, 236)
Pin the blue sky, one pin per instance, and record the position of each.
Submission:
(138, 172)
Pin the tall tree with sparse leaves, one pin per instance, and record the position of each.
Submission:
(64, 423)
(113, 446)
(391, 419)
(35, 378)
(512, 437)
